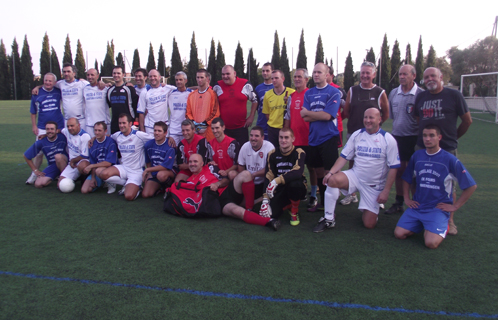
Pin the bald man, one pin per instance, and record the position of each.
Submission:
(376, 160)
(97, 108)
(442, 106)
(233, 94)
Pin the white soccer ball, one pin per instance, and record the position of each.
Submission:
(66, 185)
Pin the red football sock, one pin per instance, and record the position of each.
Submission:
(248, 192)
(295, 206)
(254, 218)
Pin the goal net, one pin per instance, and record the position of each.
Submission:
(481, 94)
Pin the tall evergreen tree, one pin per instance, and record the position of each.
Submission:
(284, 65)
(370, 56)
(4, 73)
(302, 61)
(106, 70)
(193, 64)
(27, 76)
(151, 63)
(348, 73)
(253, 66)
(176, 62)
(395, 65)
(15, 64)
(408, 55)
(385, 66)
(96, 66)
(56, 66)
(239, 65)
(45, 57)
(79, 61)
(68, 56)
(220, 61)
(136, 61)
(431, 58)
(211, 67)
(275, 58)
(419, 62)
(319, 56)
(120, 61)
(161, 61)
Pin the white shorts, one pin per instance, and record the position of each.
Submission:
(368, 194)
(134, 177)
(72, 173)
(149, 130)
(40, 133)
(89, 130)
(177, 137)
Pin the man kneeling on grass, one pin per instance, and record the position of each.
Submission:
(434, 171)
(198, 196)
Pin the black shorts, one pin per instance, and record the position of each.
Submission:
(258, 190)
(406, 146)
(163, 185)
(239, 134)
(306, 150)
(230, 196)
(324, 155)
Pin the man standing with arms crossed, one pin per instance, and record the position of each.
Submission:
(442, 107)
(202, 105)
(96, 102)
(177, 105)
(260, 91)
(233, 94)
(405, 126)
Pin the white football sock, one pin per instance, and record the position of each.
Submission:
(331, 196)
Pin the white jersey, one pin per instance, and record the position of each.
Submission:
(177, 105)
(255, 160)
(73, 102)
(77, 145)
(155, 102)
(132, 148)
(373, 155)
(140, 90)
(96, 108)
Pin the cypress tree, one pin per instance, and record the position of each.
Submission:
(15, 64)
(193, 64)
(395, 65)
(4, 73)
(253, 66)
(431, 58)
(408, 55)
(45, 57)
(161, 61)
(96, 66)
(370, 56)
(151, 63)
(176, 62)
(120, 62)
(220, 61)
(284, 65)
(385, 72)
(79, 61)
(68, 57)
(348, 73)
(275, 58)
(108, 64)
(136, 61)
(419, 62)
(56, 66)
(211, 68)
(239, 65)
(302, 61)
(319, 56)
(27, 76)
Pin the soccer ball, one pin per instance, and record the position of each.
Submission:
(66, 185)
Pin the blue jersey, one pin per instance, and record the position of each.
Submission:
(159, 155)
(327, 99)
(260, 93)
(49, 148)
(48, 106)
(435, 175)
(103, 151)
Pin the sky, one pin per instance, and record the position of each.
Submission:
(344, 26)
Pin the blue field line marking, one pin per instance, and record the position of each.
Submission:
(253, 297)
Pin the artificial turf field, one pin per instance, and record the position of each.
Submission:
(74, 256)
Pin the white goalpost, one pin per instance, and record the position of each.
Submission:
(128, 79)
(480, 91)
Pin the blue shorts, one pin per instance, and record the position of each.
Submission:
(432, 220)
(52, 171)
(99, 182)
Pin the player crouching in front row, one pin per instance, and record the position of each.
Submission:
(434, 171)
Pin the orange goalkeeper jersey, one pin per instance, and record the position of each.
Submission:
(203, 107)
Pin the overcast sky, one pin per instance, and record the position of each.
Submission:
(344, 26)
